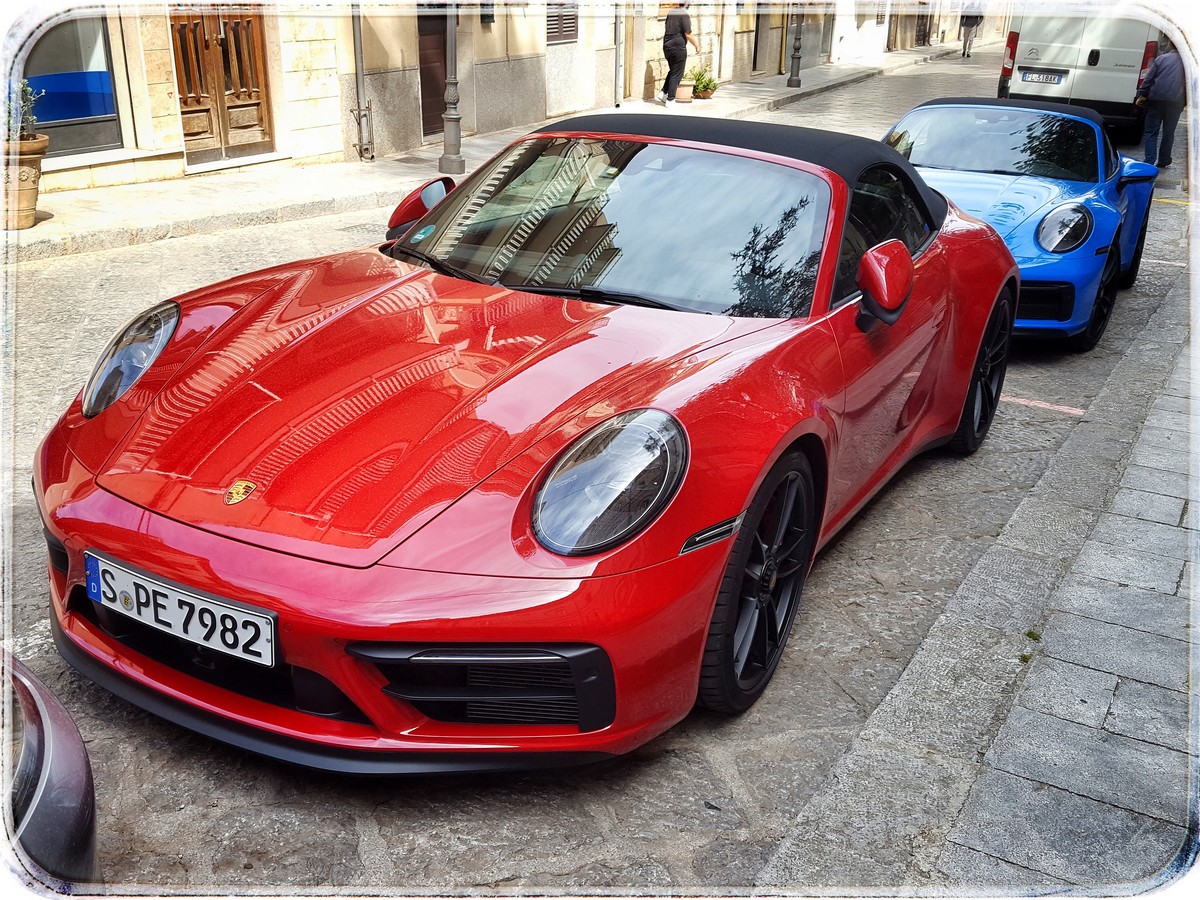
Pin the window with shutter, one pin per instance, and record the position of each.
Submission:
(562, 22)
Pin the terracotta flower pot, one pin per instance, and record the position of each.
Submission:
(22, 172)
(702, 95)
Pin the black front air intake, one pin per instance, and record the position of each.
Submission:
(551, 684)
(1046, 301)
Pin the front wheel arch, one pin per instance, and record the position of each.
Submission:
(1127, 278)
(762, 586)
(987, 376)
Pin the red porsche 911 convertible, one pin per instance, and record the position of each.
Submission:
(526, 483)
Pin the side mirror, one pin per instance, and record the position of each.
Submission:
(1134, 171)
(885, 277)
(416, 204)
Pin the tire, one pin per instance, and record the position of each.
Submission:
(987, 379)
(1102, 306)
(761, 589)
(1129, 276)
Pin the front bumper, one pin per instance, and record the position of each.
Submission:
(1057, 295)
(384, 670)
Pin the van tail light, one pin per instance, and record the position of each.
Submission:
(1010, 55)
(1148, 55)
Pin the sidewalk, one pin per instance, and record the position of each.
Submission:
(107, 217)
(1040, 740)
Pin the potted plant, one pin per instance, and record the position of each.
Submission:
(703, 83)
(23, 152)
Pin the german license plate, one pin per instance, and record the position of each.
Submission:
(1042, 77)
(229, 628)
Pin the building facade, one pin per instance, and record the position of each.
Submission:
(146, 92)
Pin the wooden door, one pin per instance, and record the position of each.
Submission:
(224, 103)
(431, 55)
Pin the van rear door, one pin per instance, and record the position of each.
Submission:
(1090, 61)
(1110, 60)
(1048, 51)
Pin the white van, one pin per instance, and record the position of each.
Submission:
(1092, 61)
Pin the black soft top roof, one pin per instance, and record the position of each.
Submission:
(1062, 109)
(846, 155)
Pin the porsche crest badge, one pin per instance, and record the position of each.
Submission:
(239, 491)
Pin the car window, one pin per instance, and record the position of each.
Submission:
(698, 230)
(883, 206)
(1112, 158)
(999, 139)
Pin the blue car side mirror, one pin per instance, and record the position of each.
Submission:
(1133, 171)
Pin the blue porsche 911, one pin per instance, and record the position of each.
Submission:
(1072, 209)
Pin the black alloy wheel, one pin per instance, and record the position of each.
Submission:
(1102, 307)
(761, 589)
(987, 379)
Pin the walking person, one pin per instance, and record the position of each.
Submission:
(970, 21)
(677, 34)
(1163, 96)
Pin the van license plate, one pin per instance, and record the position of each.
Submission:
(217, 624)
(1042, 77)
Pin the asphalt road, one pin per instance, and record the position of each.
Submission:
(703, 807)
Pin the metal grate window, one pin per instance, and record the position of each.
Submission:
(562, 22)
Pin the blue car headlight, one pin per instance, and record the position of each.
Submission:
(1065, 228)
(611, 483)
(127, 356)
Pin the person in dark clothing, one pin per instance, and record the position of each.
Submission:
(1163, 96)
(677, 34)
(969, 22)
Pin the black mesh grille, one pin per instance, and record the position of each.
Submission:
(545, 680)
(545, 685)
(1046, 301)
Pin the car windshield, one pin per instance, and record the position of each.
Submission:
(997, 139)
(625, 221)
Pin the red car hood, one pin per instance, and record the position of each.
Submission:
(360, 397)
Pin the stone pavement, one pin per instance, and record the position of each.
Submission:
(102, 218)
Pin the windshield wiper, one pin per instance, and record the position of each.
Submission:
(599, 295)
(439, 266)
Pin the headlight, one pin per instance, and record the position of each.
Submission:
(611, 483)
(1065, 228)
(127, 356)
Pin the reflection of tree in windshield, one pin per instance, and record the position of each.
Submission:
(1067, 146)
(766, 286)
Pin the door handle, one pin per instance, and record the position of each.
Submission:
(1094, 58)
